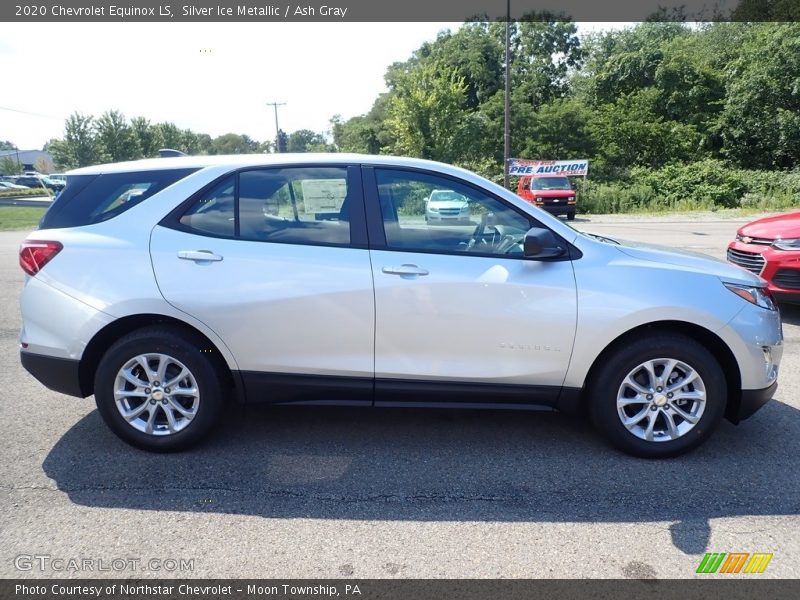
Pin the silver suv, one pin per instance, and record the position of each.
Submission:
(166, 287)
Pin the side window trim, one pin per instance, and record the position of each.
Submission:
(236, 226)
(374, 215)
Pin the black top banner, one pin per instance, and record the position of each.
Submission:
(405, 10)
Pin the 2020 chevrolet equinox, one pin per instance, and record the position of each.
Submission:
(166, 287)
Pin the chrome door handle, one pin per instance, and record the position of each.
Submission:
(405, 270)
(199, 255)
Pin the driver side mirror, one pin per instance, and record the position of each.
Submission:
(541, 243)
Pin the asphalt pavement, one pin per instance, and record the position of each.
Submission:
(311, 492)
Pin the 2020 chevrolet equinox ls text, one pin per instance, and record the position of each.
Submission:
(166, 287)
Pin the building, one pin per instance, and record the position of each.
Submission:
(30, 160)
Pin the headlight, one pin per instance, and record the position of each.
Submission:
(432, 209)
(754, 295)
(790, 244)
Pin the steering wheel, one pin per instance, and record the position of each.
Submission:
(509, 243)
(477, 235)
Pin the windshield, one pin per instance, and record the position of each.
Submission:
(448, 195)
(550, 183)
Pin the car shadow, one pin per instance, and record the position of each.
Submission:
(433, 465)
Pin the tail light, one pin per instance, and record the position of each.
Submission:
(34, 254)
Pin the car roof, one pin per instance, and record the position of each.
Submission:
(249, 160)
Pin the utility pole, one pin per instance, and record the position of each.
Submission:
(275, 105)
(507, 132)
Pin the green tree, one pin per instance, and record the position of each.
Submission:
(9, 165)
(233, 143)
(305, 140)
(115, 139)
(560, 130)
(428, 111)
(544, 51)
(760, 123)
(79, 147)
(148, 137)
(171, 136)
(368, 133)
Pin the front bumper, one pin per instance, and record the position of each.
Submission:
(448, 218)
(751, 402)
(780, 268)
(58, 374)
(558, 209)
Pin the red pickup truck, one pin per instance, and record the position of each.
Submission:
(552, 193)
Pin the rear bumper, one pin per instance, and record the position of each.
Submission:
(752, 401)
(58, 374)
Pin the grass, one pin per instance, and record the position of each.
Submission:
(14, 218)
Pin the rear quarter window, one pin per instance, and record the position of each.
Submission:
(89, 199)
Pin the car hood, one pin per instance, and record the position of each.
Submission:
(783, 227)
(690, 261)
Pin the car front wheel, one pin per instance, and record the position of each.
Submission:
(660, 396)
(158, 389)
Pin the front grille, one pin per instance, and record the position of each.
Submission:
(751, 261)
(758, 241)
(556, 201)
(788, 279)
(449, 211)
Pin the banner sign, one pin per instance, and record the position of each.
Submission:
(541, 168)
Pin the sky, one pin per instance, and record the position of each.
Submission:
(208, 77)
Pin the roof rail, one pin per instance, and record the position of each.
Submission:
(168, 152)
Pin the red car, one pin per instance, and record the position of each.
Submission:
(555, 194)
(770, 247)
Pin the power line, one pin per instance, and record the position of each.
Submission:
(25, 112)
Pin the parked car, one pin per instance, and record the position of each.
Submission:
(554, 194)
(58, 177)
(7, 185)
(192, 292)
(770, 247)
(39, 181)
(446, 206)
(53, 184)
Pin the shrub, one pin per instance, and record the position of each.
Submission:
(14, 193)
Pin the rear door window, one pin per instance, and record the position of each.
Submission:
(308, 205)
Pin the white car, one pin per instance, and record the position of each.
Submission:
(7, 185)
(167, 287)
(446, 206)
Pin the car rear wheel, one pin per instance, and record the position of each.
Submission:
(158, 390)
(659, 396)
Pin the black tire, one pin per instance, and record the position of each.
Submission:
(204, 365)
(571, 216)
(606, 384)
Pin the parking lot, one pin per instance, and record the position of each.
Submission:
(311, 492)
